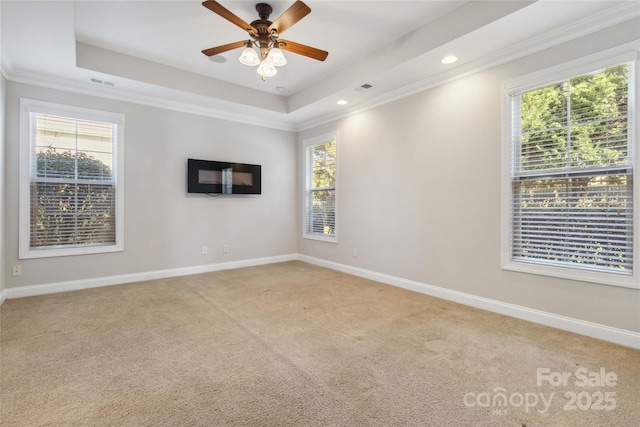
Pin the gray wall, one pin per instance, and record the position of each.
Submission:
(419, 198)
(420, 194)
(165, 228)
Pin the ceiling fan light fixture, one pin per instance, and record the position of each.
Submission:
(249, 57)
(263, 49)
(266, 69)
(276, 56)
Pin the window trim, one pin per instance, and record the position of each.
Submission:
(28, 106)
(320, 139)
(601, 60)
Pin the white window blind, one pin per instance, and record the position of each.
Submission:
(72, 195)
(320, 168)
(572, 173)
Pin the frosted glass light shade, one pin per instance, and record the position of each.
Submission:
(266, 69)
(276, 56)
(249, 57)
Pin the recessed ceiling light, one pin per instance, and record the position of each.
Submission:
(343, 102)
(450, 59)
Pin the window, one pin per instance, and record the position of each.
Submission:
(71, 180)
(571, 177)
(320, 176)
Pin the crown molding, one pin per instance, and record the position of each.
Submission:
(616, 15)
(6, 66)
(57, 83)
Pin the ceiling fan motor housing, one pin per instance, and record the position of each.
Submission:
(264, 10)
(264, 39)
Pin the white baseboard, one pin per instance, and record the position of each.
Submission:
(593, 330)
(75, 285)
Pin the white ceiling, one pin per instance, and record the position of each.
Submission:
(151, 50)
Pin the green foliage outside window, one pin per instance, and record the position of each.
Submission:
(593, 134)
(73, 200)
(322, 191)
(573, 185)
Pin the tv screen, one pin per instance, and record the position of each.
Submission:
(208, 176)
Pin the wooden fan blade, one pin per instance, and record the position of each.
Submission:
(219, 49)
(216, 7)
(301, 49)
(296, 12)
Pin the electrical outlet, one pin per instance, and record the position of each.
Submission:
(225, 248)
(354, 252)
(205, 250)
(17, 270)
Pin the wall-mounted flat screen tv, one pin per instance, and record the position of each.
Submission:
(208, 176)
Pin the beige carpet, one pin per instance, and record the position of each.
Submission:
(292, 344)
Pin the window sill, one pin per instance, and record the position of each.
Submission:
(327, 239)
(61, 252)
(601, 278)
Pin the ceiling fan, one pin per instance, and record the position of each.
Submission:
(265, 36)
